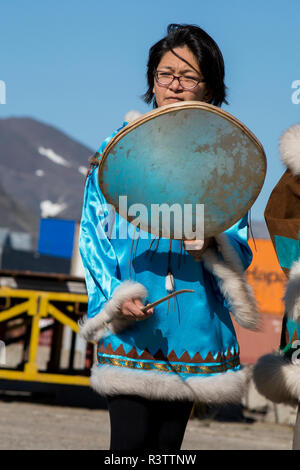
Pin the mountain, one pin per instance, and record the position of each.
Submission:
(16, 217)
(42, 169)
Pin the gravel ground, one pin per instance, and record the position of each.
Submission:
(27, 425)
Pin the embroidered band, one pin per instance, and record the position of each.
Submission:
(169, 367)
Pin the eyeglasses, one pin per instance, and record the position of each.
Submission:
(188, 83)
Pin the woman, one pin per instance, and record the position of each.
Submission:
(277, 375)
(153, 365)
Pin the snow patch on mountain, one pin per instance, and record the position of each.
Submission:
(51, 209)
(54, 157)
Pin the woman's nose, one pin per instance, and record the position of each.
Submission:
(175, 85)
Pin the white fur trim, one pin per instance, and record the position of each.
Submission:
(132, 115)
(289, 148)
(227, 387)
(278, 379)
(110, 317)
(292, 293)
(234, 285)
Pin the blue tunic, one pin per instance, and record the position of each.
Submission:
(195, 337)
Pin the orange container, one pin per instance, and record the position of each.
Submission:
(268, 283)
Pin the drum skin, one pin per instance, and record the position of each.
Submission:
(188, 154)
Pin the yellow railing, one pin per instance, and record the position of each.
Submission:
(38, 305)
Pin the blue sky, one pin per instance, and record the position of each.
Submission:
(80, 66)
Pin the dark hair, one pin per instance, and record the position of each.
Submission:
(204, 48)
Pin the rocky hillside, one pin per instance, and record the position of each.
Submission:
(42, 173)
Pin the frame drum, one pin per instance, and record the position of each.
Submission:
(187, 156)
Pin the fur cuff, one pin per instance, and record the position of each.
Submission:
(278, 379)
(289, 148)
(110, 317)
(234, 285)
(292, 293)
(226, 387)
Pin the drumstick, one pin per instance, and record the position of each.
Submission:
(157, 302)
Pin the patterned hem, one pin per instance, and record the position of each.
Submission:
(233, 363)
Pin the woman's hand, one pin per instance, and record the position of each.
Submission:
(132, 309)
(196, 248)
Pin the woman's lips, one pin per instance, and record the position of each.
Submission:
(174, 99)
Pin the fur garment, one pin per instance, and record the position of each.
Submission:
(276, 375)
(278, 379)
(292, 293)
(289, 148)
(228, 387)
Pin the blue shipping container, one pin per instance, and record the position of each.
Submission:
(56, 237)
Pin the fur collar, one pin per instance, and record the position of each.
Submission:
(129, 117)
(289, 148)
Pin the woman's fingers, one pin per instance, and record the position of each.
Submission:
(132, 308)
(149, 312)
(129, 308)
(196, 248)
(194, 245)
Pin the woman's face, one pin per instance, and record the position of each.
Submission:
(174, 92)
